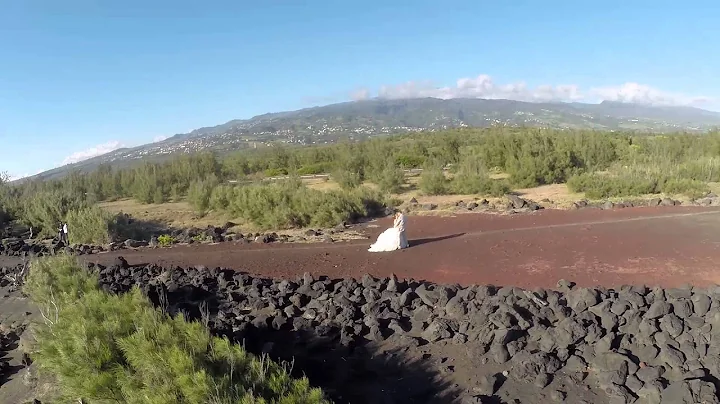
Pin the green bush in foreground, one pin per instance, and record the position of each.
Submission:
(118, 348)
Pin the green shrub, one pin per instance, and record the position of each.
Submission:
(199, 193)
(599, 186)
(313, 169)
(408, 162)
(641, 179)
(433, 181)
(688, 187)
(391, 178)
(472, 178)
(45, 210)
(201, 238)
(703, 169)
(118, 348)
(6, 199)
(276, 172)
(166, 240)
(347, 180)
(290, 204)
(350, 166)
(482, 185)
(90, 226)
(221, 196)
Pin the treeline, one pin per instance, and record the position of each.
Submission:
(601, 164)
(529, 156)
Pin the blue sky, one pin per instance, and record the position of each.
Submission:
(78, 77)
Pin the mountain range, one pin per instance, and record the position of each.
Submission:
(377, 117)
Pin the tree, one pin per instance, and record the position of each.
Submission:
(200, 191)
(4, 209)
(433, 180)
(391, 178)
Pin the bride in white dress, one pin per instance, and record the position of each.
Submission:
(393, 238)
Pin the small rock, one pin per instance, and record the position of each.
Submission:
(558, 396)
(542, 380)
(488, 385)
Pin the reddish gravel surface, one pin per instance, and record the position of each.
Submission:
(655, 246)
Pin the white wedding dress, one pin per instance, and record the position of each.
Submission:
(391, 239)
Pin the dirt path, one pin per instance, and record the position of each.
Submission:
(655, 246)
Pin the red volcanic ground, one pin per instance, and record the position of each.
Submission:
(666, 246)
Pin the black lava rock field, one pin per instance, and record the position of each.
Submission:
(403, 341)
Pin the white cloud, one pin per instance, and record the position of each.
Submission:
(483, 86)
(159, 138)
(642, 94)
(360, 94)
(92, 152)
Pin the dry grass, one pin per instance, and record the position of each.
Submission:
(175, 214)
(714, 187)
(321, 184)
(558, 194)
(181, 215)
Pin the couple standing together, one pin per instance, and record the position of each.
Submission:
(393, 238)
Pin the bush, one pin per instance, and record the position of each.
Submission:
(705, 169)
(166, 240)
(433, 181)
(313, 169)
(391, 178)
(408, 162)
(290, 204)
(599, 186)
(276, 172)
(221, 196)
(118, 348)
(472, 178)
(47, 209)
(688, 187)
(199, 193)
(481, 185)
(638, 180)
(90, 226)
(347, 180)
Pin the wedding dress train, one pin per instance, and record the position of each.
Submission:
(390, 240)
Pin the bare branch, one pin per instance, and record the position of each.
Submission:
(163, 299)
(46, 317)
(205, 314)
